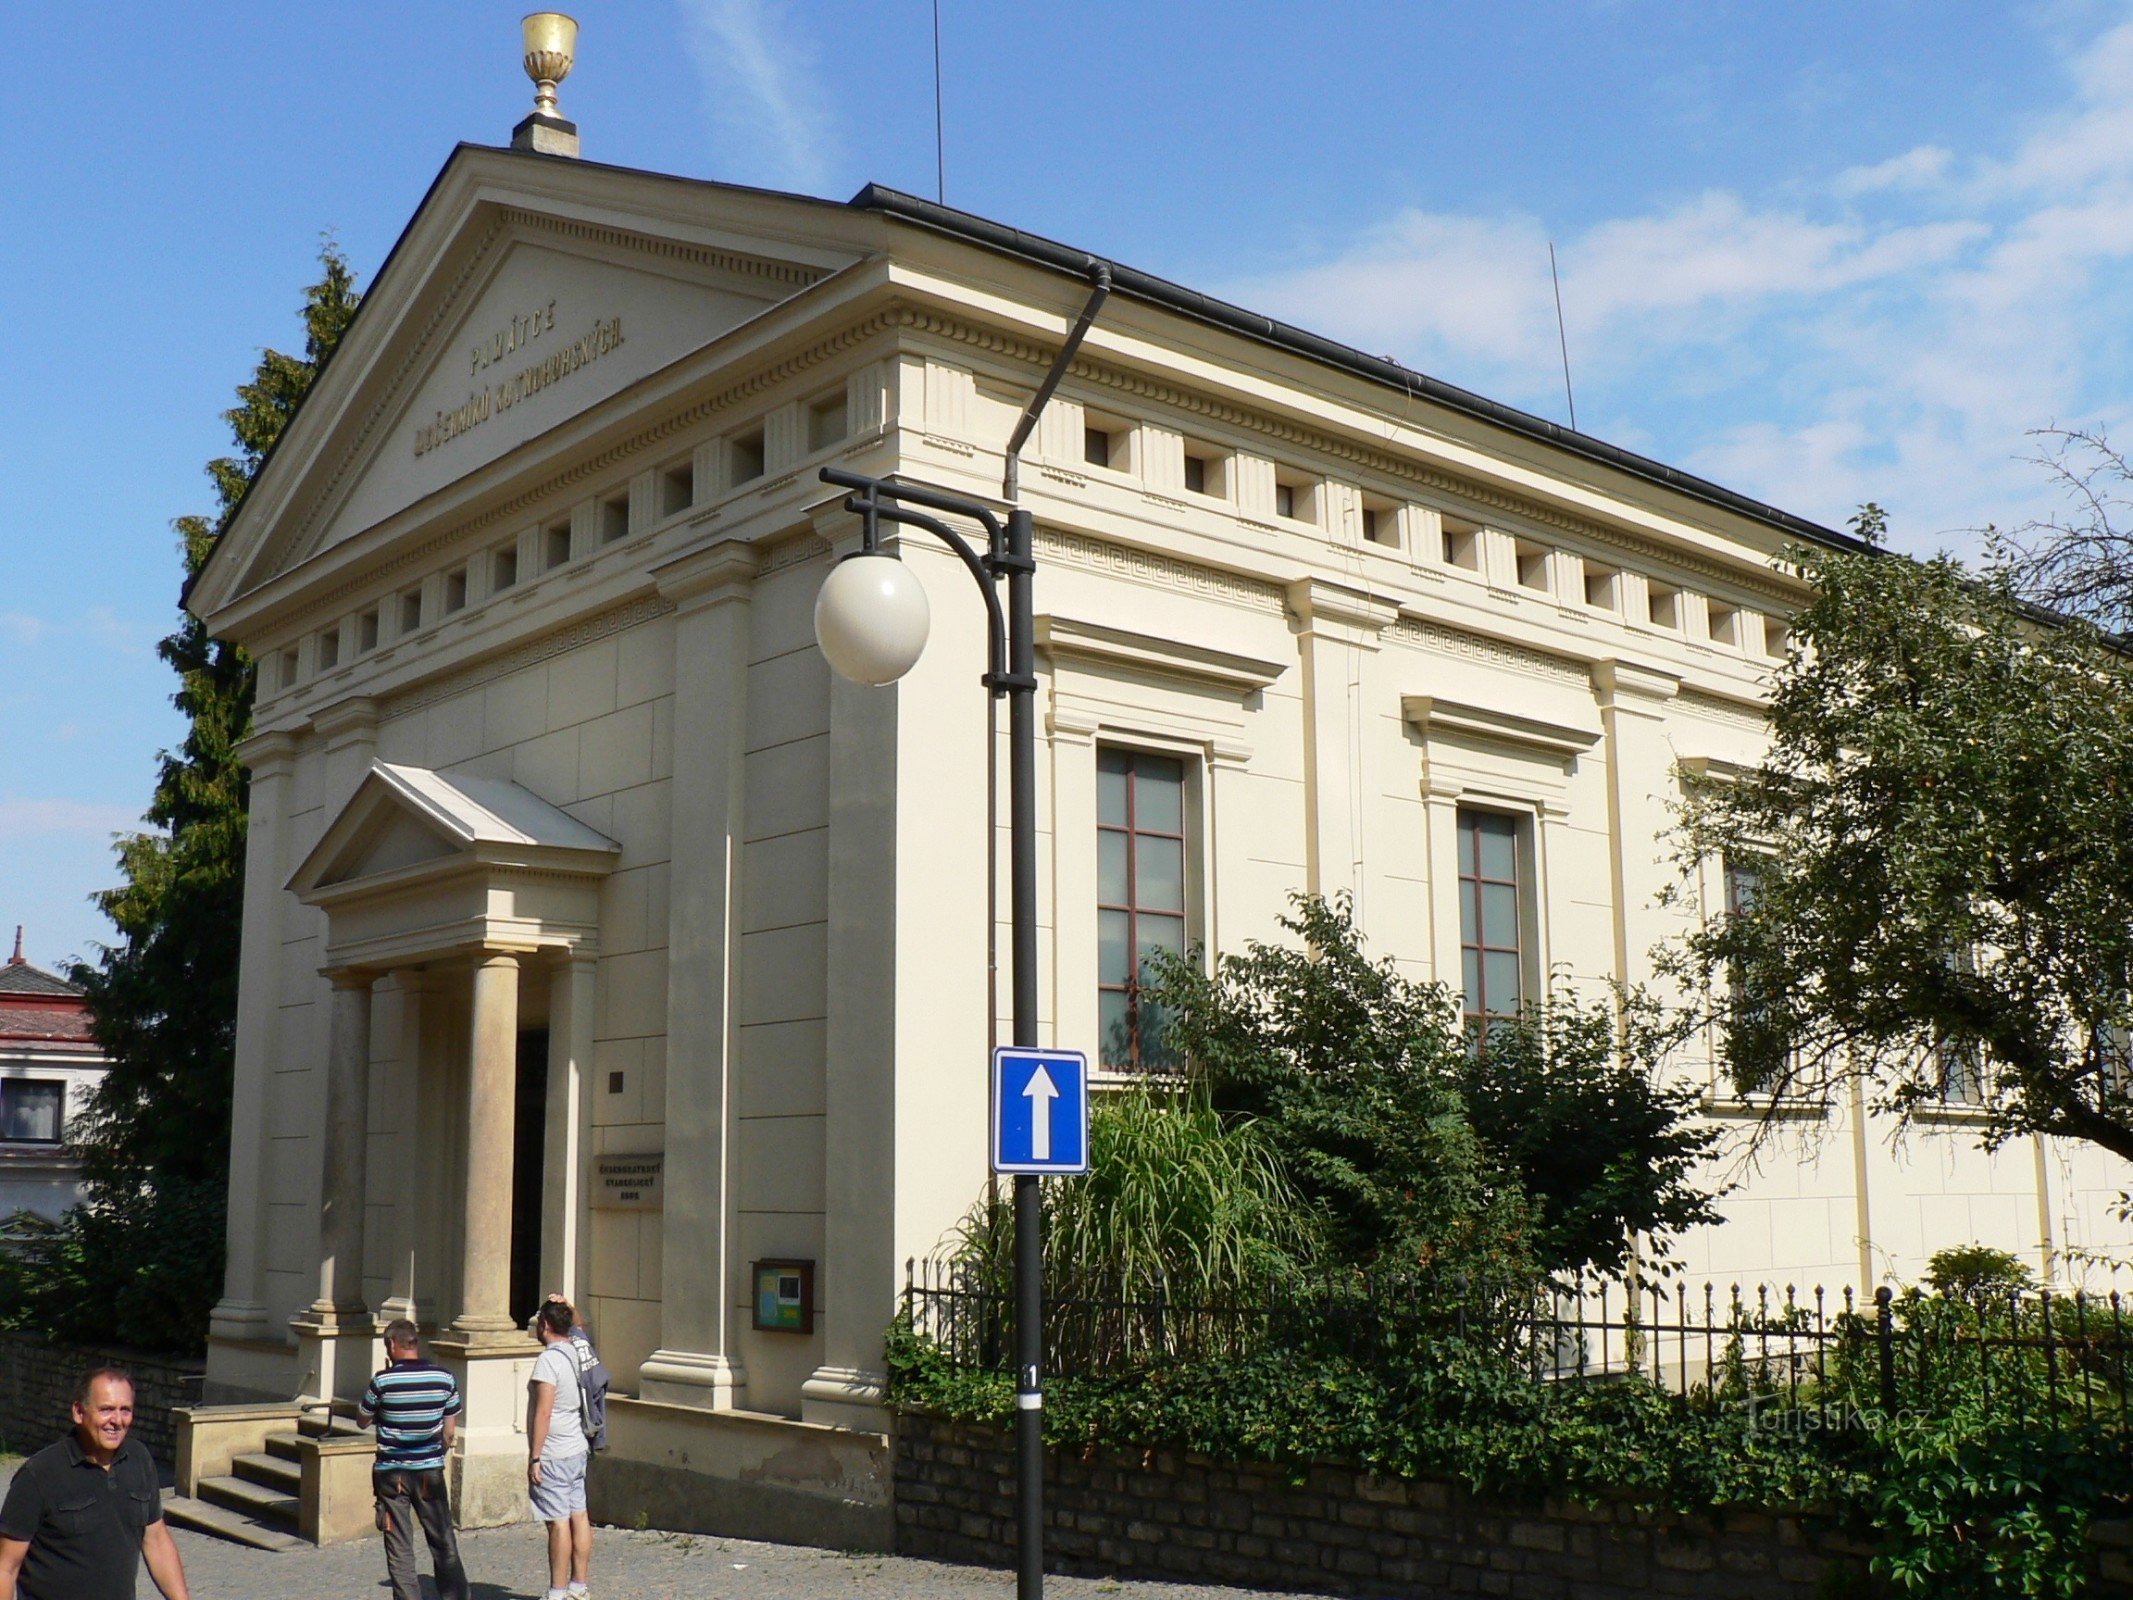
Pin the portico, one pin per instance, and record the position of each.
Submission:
(460, 894)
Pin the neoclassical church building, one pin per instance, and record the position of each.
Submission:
(598, 939)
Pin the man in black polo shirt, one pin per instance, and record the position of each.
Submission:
(81, 1514)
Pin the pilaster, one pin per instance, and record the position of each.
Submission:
(697, 1362)
(241, 1315)
(1337, 630)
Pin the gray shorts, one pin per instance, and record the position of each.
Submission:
(562, 1487)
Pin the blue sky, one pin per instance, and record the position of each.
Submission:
(1824, 253)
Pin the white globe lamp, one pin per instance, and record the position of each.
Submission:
(871, 618)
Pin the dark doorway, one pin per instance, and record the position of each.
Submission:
(529, 1139)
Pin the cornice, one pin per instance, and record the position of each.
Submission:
(1493, 652)
(1433, 712)
(825, 349)
(1122, 561)
(793, 273)
(1331, 444)
(418, 349)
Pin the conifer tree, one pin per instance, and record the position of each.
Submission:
(154, 1142)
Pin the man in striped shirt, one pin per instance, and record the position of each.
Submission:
(416, 1407)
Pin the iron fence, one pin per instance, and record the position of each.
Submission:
(2054, 1357)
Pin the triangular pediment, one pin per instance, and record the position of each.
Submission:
(404, 821)
(524, 293)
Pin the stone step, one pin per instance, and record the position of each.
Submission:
(222, 1523)
(283, 1446)
(274, 1471)
(275, 1507)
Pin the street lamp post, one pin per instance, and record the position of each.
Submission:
(871, 619)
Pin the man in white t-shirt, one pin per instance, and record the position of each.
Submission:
(555, 1432)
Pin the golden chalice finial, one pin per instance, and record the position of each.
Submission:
(551, 44)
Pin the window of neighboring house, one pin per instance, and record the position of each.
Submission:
(410, 611)
(329, 649)
(1492, 904)
(555, 545)
(1140, 897)
(503, 569)
(455, 591)
(32, 1110)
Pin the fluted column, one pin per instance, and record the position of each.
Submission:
(343, 1188)
(492, 1085)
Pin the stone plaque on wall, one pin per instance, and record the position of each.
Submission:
(628, 1183)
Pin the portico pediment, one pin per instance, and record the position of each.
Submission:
(421, 863)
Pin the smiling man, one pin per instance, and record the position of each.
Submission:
(82, 1514)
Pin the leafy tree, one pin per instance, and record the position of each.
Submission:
(1351, 1071)
(1941, 838)
(154, 1140)
(1417, 1149)
(2081, 561)
(1571, 1100)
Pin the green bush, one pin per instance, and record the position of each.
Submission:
(1173, 1195)
(1419, 1150)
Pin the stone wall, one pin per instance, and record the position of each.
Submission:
(37, 1391)
(1338, 1532)
(1181, 1517)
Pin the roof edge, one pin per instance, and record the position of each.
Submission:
(1265, 330)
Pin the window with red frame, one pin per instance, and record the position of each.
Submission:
(1140, 897)
(1491, 918)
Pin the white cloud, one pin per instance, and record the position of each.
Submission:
(25, 820)
(1920, 168)
(762, 90)
(1890, 336)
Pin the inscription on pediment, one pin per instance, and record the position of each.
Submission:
(551, 333)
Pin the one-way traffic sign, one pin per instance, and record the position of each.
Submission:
(1040, 1110)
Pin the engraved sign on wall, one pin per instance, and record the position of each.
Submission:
(486, 399)
(628, 1183)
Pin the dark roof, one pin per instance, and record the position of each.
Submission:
(17, 976)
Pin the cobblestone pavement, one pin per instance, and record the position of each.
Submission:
(510, 1563)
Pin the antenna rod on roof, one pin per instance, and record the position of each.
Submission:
(1561, 338)
(940, 160)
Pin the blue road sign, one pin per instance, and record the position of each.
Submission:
(1040, 1110)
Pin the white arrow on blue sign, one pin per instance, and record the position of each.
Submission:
(1040, 1110)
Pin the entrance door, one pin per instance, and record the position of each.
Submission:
(529, 1138)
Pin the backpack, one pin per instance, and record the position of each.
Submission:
(593, 1383)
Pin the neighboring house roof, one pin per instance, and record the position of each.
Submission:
(42, 1008)
(19, 977)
